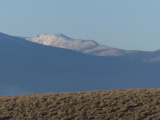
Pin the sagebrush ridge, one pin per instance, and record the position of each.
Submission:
(122, 104)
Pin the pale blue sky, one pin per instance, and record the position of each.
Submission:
(122, 24)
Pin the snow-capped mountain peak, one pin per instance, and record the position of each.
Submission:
(84, 46)
(53, 36)
(62, 41)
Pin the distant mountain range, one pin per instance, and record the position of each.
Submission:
(93, 48)
(84, 46)
(30, 67)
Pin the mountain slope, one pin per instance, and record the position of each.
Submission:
(28, 67)
(93, 48)
(84, 46)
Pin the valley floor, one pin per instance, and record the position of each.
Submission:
(121, 104)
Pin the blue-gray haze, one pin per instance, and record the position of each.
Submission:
(27, 67)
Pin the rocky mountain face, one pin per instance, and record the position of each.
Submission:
(29, 67)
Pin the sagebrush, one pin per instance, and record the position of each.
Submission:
(121, 104)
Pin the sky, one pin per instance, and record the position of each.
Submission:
(125, 24)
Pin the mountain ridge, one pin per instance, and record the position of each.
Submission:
(29, 67)
(93, 48)
(84, 46)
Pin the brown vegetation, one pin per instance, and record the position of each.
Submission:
(127, 104)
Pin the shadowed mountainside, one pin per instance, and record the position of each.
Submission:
(28, 67)
(127, 104)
